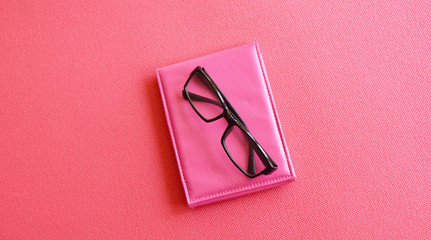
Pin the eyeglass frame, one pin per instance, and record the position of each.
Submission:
(233, 119)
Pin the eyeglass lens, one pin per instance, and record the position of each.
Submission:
(239, 147)
(207, 104)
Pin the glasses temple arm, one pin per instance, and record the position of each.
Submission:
(195, 97)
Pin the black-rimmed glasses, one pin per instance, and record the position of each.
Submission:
(210, 104)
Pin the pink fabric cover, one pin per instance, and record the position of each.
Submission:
(206, 171)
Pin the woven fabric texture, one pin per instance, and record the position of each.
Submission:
(85, 152)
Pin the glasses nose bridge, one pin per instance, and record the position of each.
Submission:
(231, 117)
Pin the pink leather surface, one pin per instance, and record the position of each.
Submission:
(85, 151)
(206, 171)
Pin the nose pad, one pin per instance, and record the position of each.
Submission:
(230, 117)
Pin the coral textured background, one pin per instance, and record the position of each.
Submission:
(85, 151)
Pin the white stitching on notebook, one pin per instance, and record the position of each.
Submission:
(173, 137)
(273, 110)
(237, 189)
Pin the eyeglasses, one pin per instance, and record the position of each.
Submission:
(210, 104)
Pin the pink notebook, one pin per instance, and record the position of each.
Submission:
(207, 173)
